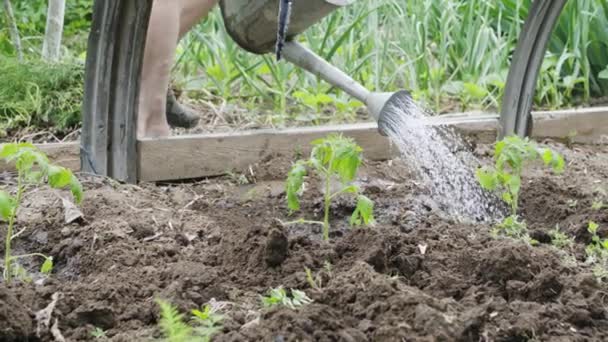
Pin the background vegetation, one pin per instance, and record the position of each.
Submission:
(452, 54)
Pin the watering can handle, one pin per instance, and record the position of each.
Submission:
(283, 25)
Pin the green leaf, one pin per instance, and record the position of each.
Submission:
(47, 266)
(59, 177)
(364, 212)
(475, 91)
(76, 189)
(34, 176)
(351, 189)
(507, 198)
(603, 74)
(553, 159)
(7, 205)
(487, 179)
(295, 179)
(8, 150)
(592, 227)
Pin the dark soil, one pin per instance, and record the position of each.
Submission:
(414, 276)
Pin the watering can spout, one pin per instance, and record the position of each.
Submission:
(387, 107)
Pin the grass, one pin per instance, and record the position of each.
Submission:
(38, 94)
(452, 54)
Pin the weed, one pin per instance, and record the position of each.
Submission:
(207, 321)
(597, 250)
(279, 297)
(572, 203)
(33, 167)
(597, 253)
(559, 239)
(332, 157)
(174, 329)
(597, 205)
(310, 278)
(511, 155)
(98, 333)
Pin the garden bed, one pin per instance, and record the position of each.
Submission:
(415, 276)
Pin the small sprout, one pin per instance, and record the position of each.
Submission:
(310, 278)
(172, 324)
(207, 321)
(174, 328)
(328, 267)
(597, 250)
(597, 205)
(279, 297)
(332, 157)
(572, 203)
(559, 239)
(47, 266)
(98, 333)
(512, 227)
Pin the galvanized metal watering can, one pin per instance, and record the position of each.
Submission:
(253, 25)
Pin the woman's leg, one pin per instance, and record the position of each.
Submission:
(169, 21)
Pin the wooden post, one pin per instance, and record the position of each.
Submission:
(527, 59)
(113, 69)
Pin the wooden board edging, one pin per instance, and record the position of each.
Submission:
(196, 156)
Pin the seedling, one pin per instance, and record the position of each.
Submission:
(597, 252)
(33, 167)
(332, 157)
(559, 239)
(279, 297)
(175, 329)
(597, 205)
(511, 155)
(98, 333)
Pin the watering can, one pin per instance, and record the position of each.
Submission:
(253, 25)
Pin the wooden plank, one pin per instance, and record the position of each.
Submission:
(183, 157)
(586, 125)
(64, 154)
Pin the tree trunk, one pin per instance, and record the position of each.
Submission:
(12, 26)
(51, 48)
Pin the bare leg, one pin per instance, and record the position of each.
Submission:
(169, 21)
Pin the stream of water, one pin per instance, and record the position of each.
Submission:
(431, 152)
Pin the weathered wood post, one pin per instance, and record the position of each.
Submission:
(523, 73)
(113, 69)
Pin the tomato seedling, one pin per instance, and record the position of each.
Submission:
(33, 167)
(511, 155)
(332, 157)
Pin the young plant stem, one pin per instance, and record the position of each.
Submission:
(29, 255)
(302, 221)
(7, 248)
(327, 202)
